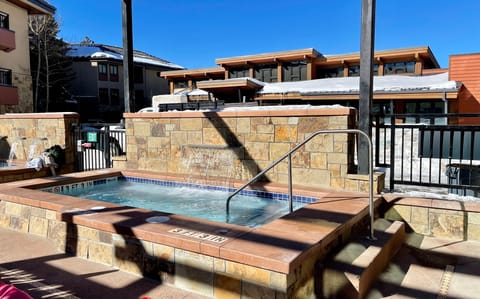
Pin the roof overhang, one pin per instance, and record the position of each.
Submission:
(231, 87)
(202, 74)
(407, 54)
(35, 6)
(304, 54)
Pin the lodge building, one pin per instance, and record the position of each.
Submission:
(406, 80)
(15, 76)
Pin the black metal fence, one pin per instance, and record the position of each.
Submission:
(430, 150)
(97, 143)
(190, 106)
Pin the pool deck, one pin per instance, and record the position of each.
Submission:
(272, 246)
(33, 263)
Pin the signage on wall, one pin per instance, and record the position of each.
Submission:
(92, 137)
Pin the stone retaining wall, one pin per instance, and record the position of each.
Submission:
(239, 144)
(199, 273)
(46, 129)
(435, 217)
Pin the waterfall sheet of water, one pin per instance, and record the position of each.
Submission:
(36, 148)
(19, 146)
(13, 150)
(204, 163)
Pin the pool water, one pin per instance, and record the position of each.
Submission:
(251, 211)
(4, 164)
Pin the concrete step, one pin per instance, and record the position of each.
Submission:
(352, 270)
(430, 268)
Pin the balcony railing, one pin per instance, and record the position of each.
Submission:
(7, 40)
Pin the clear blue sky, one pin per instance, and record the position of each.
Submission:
(193, 33)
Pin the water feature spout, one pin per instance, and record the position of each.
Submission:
(36, 148)
(13, 149)
(207, 161)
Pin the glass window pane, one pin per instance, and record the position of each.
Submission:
(4, 22)
(102, 72)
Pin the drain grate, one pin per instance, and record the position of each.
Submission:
(445, 282)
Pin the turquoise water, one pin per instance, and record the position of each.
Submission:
(245, 210)
(4, 164)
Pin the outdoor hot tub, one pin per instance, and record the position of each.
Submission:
(209, 257)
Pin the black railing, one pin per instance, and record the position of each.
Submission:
(190, 106)
(97, 143)
(430, 150)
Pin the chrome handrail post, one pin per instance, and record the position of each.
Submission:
(290, 192)
(288, 156)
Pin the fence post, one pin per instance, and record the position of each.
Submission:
(107, 152)
(392, 152)
(377, 138)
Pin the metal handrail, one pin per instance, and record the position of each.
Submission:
(289, 156)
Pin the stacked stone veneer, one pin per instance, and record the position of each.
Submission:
(54, 128)
(169, 142)
(196, 272)
(435, 217)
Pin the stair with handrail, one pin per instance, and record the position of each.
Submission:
(288, 156)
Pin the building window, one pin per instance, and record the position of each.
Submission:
(4, 21)
(138, 74)
(239, 72)
(180, 84)
(5, 77)
(102, 72)
(354, 71)
(294, 71)
(330, 72)
(393, 68)
(113, 72)
(114, 96)
(103, 96)
(266, 73)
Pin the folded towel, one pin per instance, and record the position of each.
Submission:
(36, 163)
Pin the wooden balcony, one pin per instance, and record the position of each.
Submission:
(7, 40)
(8, 95)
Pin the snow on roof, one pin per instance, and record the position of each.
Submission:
(381, 84)
(197, 92)
(110, 52)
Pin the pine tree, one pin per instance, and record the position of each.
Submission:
(87, 41)
(51, 67)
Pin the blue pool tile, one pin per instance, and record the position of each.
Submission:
(256, 193)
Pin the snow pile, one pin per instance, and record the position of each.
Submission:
(195, 92)
(385, 84)
(281, 107)
(264, 108)
(431, 195)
